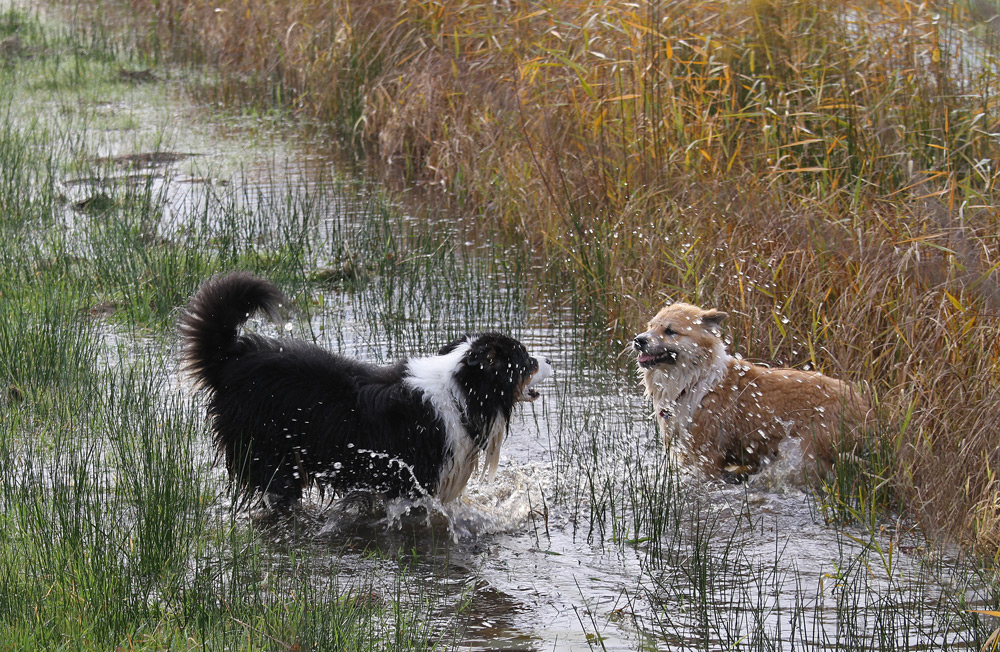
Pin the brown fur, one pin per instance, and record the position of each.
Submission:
(730, 416)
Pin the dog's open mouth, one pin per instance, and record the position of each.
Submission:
(647, 360)
(529, 393)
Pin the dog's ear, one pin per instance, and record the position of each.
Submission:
(482, 354)
(712, 319)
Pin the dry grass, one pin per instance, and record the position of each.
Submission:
(825, 171)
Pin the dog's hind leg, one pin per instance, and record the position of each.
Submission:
(284, 487)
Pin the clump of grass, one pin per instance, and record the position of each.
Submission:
(46, 345)
(860, 490)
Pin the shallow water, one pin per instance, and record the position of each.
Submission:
(764, 566)
(588, 537)
(541, 559)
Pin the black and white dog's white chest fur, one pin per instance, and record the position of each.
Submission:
(288, 415)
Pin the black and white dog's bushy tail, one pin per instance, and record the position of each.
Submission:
(209, 326)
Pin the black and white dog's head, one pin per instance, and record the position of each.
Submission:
(487, 373)
(497, 369)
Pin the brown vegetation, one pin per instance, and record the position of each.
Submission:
(825, 172)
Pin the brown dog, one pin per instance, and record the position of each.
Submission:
(730, 416)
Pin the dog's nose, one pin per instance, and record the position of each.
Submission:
(640, 342)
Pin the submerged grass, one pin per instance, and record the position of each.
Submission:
(825, 171)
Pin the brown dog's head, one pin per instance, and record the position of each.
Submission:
(680, 334)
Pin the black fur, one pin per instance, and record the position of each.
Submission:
(287, 414)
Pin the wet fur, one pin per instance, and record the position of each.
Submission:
(288, 415)
(730, 416)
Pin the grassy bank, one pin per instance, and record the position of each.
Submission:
(824, 171)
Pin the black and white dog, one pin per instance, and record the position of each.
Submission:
(288, 415)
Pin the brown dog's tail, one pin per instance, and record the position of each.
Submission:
(209, 326)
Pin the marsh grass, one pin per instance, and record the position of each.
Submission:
(45, 343)
(118, 531)
(103, 553)
(825, 172)
(734, 592)
(148, 265)
(860, 489)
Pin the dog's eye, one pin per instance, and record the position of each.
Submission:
(669, 332)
